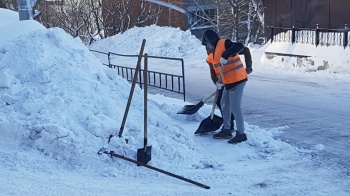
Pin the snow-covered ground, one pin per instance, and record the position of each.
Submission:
(59, 104)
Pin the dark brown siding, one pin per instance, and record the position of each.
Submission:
(283, 13)
(319, 14)
(301, 13)
(339, 13)
(307, 13)
(171, 17)
(270, 15)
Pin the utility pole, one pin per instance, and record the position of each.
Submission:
(25, 9)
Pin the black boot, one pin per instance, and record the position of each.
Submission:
(240, 137)
(223, 134)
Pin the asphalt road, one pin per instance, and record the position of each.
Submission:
(316, 112)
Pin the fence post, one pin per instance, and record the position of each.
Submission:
(272, 33)
(109, 59)
(317, 34)
(183, 75)
(293, 35)
(345, 40)
(140, 73)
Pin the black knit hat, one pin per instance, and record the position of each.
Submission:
(210, 38)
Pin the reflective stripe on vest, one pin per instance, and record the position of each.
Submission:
(234, 68)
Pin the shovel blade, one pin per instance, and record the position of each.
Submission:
(209, 125)
(144, 156)
(191, 109)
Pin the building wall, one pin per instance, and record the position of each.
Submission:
(171, 17)
(332, 14)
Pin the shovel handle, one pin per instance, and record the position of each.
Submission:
(145, 87)
(210, 96)
(113, 154)
(217, 93)
(138, 67)
(214, 104)
(145, 145)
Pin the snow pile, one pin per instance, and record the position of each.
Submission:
(333, 60)
(55, 96)
(161, 41)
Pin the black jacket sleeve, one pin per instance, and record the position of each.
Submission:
(232, 48)
(247, 57)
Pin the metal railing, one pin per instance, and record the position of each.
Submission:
(166, 81)
(317, 37)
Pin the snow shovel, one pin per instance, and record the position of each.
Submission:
(137, 69)
(144, 154)
(191, 109)
(212, 122)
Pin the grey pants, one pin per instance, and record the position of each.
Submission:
(231, 102)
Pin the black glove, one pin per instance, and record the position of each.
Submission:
(249, 70)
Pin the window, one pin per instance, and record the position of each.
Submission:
(200, 17)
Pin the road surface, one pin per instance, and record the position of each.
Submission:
(316, 112)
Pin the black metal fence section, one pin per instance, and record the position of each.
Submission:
(317, 37)
(166, 81)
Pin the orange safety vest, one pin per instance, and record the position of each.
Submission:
(234, 70)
